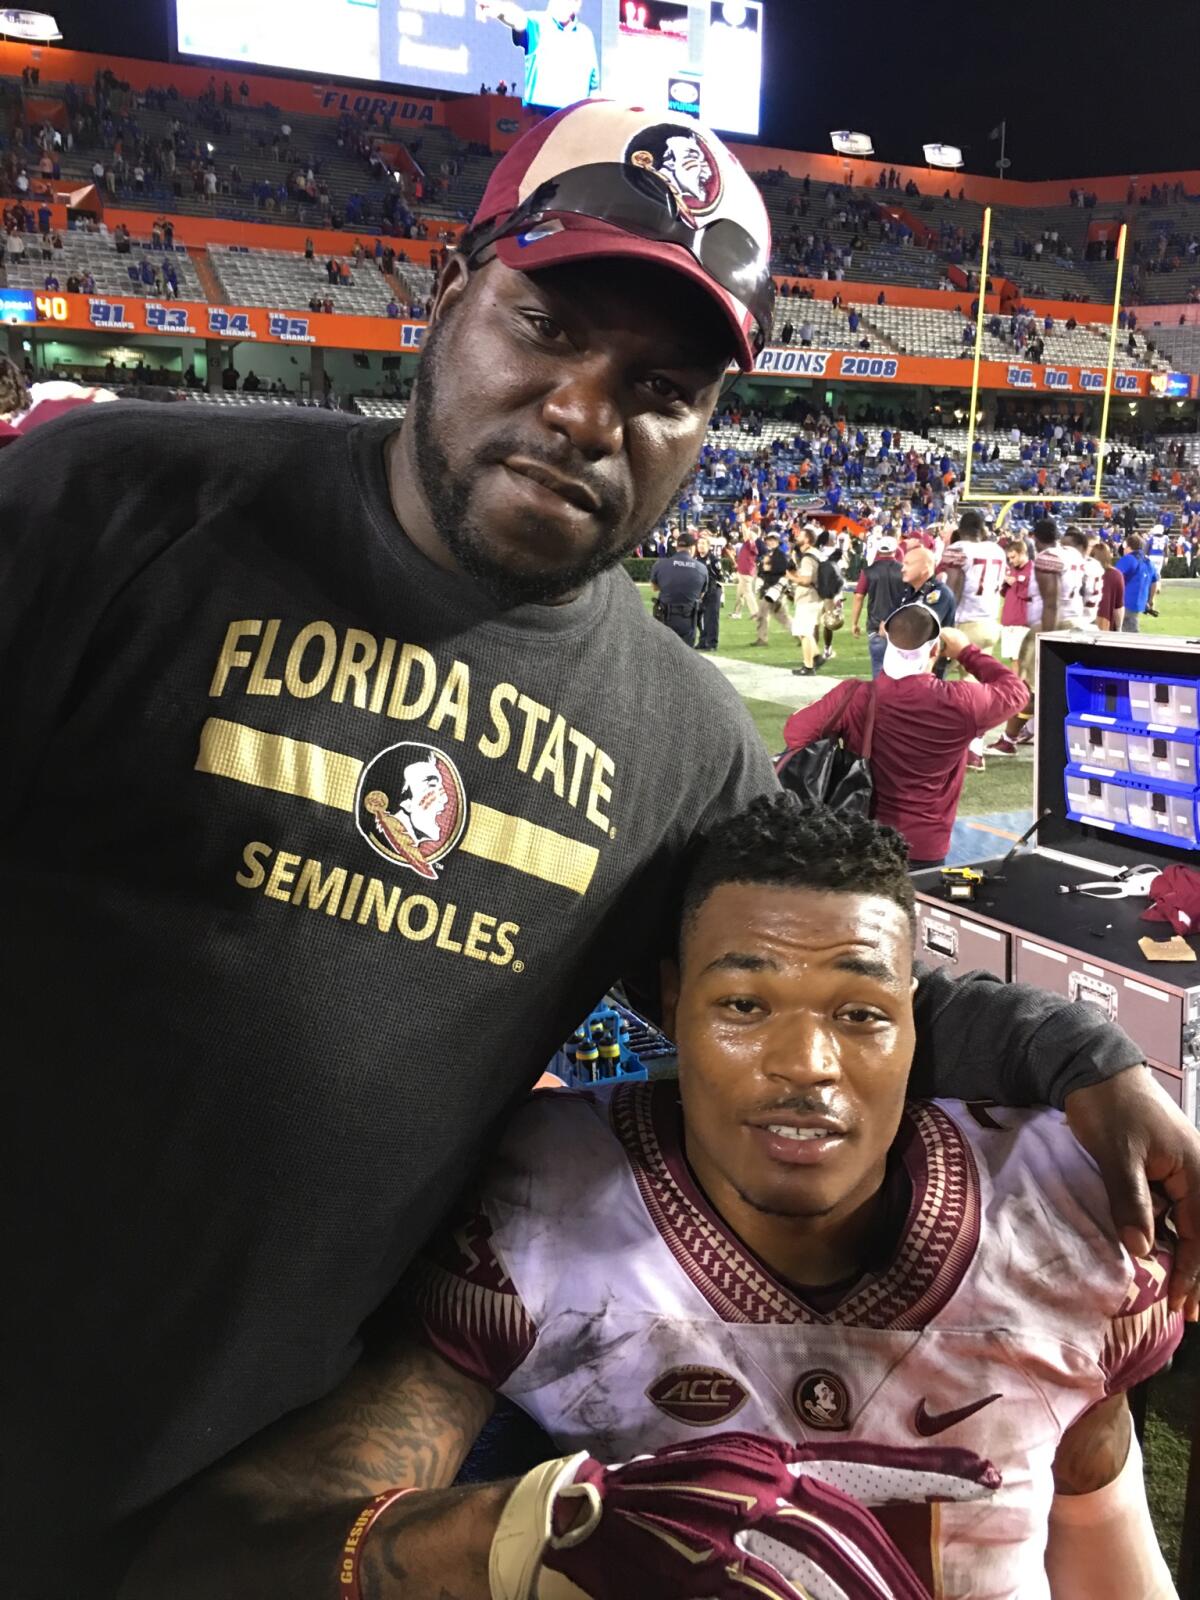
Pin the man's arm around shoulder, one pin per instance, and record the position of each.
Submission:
(270, 1522)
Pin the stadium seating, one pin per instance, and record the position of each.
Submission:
(235, 397)
(830, 329)
(381, 408)
(1179, 346)
(284, 278)
(97, 254)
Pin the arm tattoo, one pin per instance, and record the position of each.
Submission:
(406, 1420)
(1093, 1450)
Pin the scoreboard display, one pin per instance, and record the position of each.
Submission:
(30, 305)
(697, 57)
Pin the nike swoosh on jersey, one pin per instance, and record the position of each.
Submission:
(928, 1423)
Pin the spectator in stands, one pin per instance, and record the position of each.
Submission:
(393, 310)
(327, 306)
(1110, 613)
(1141, 583)
(50, 282)
(250, 384)
(881, 584)
(229, 378)
(315, 303)
(806, 333)
(922, 725)
(309, 250)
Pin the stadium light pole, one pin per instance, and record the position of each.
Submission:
(846, 143)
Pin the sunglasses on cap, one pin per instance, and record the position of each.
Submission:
(638, 201)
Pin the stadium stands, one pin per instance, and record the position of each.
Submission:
(113, 272)
(284, 278)
(381, 408)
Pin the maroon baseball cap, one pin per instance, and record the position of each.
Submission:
(707, 180)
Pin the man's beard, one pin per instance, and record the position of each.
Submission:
(448, 498)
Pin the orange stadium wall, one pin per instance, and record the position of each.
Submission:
(1168, 316)
(785, 363)
(414, 109)
(196, 232)
(289, 94)
(863, 294)
(496, 120)
(185, 319)
(196, 319)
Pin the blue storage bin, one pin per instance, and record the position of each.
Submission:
(1099, 746)
(1163, 702)
(1161, 811)
(1098, 800)
(1162, 756)
(1098, 696)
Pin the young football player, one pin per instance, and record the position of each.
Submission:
(923, 1303)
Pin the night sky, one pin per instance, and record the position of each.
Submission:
(1088, 87)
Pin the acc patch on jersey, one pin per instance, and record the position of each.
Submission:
(411, 806)
(701, 1397)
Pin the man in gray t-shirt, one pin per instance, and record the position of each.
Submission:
(344, 770)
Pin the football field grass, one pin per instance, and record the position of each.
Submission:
(1006, 784)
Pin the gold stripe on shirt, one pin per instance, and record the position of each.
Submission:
(273, 761)
(293, 766)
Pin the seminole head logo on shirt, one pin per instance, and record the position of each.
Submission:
(681, 158)
(411, 806)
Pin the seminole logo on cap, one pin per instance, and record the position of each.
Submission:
(682, 159)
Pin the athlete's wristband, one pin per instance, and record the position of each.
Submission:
(526, 1527)
(348, 1586)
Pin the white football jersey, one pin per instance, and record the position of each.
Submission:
(1067, 562)
(1071, 585)
(983, 566)
(592, 1283)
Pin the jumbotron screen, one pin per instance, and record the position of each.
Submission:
(702, 57)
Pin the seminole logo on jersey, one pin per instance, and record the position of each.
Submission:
(701, 1397)
(681, 158)
(411, 806)
(821, 1400)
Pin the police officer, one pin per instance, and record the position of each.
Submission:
(922, 588)
(679, 582)
(710, 606)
